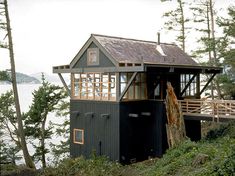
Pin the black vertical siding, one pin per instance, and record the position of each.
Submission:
(193, 129)
(100, 121)
(142, 130)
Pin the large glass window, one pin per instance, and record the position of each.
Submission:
(94, 86)
(137, 89)
(184, 79)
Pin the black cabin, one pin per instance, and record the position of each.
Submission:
(118, 87)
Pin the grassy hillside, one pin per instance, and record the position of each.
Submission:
(213, 155)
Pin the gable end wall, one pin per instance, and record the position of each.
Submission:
(104, 61)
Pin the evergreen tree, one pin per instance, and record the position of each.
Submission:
(45, 100)
(176, 21)
(227, 52)
(61, 150)
(201, 13)
(4, 76)
(5, 25)
(10, 139)
(204, 14)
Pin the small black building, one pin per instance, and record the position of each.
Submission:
(118, 87)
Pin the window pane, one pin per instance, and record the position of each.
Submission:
(97, 86)
(90, 86)
(104, 86)
(78, 136)
(191, 90)
(76, 84)
(94, 86)
(112, 87)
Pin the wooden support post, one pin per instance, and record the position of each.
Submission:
(64, 83)
(117, 86)
(198, 86)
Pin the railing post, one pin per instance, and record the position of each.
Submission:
(187, 106)
(213, 110)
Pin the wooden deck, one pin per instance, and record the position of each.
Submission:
(212, 110)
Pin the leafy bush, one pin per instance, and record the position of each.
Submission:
(223, 130)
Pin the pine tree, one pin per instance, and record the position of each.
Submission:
(204, 14)
(10, 139)
(61, 150)
(227, 52)
(176, 21)
(4, 76)
(45, 100)
(6, 26)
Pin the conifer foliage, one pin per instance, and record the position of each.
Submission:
(45, 100)
(228, 53)
(177, 22)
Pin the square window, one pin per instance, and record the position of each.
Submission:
(78, 136)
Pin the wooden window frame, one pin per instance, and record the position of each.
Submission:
(87, 89)
(74, 134)
(93, 51)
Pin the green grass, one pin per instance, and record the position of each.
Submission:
(213, 155)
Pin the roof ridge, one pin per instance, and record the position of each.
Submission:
(137, 40)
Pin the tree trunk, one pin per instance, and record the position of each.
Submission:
(209, 39)
(175, 127)
(27, 157)
(43, 142)
(215, 61)
(213, 33)
(182, 25)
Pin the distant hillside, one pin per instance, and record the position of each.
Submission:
(52, 78)
(23, 79)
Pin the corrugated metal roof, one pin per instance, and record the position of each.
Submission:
(139, 51)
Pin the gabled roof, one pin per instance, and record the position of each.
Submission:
(139, 51)
(131, 54)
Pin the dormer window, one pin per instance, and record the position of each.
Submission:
(92, 56)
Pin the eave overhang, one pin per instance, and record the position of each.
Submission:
(62, 69)
(197, 68)
(140, 68)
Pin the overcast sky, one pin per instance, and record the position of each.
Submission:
(47, 33)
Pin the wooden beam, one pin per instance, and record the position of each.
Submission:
(117, 86)
(188, 84)
(64, 83)
(128, 85)
(105, 69)
(198, 86)
(208, 82)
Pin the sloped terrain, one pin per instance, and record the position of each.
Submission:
(213, 155)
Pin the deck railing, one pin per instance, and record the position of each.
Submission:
(209, 108)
